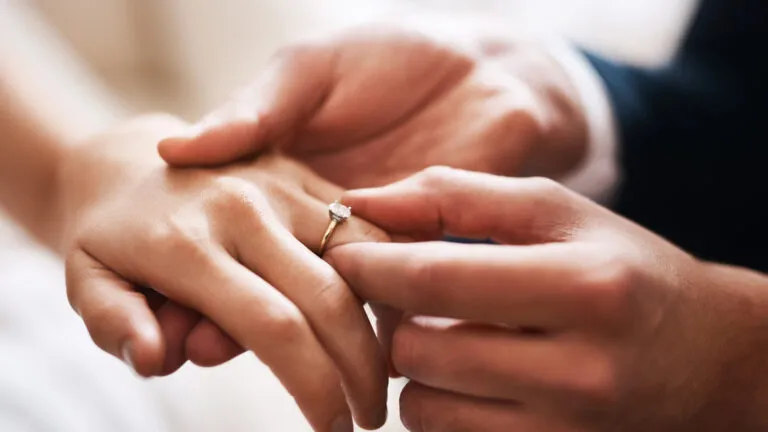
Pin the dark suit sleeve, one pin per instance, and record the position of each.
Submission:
(693, 139)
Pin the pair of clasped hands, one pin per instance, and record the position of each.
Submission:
(206, 246)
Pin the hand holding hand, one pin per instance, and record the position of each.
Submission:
(578, 320)
(233, 245)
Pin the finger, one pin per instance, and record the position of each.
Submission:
(549, 286)
(424, 409)
(301, 199)
(176, 323)
(304, 210)
(291, 89)
(309, 230)
(334, 312)
(548, 372)
(118, 317)
(207, 345)
(387, 320)
(440, 201)
(264, 321)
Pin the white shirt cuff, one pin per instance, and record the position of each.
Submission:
(598, 175)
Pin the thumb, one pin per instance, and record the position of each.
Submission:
(265, 114)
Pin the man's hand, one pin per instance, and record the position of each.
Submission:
(165, 264)
(577, 320)
(375, 105)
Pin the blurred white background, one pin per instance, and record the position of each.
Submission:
(106, 59)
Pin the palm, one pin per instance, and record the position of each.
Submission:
(417, 103)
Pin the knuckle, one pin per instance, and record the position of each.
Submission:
(437, 177)
(232, 192)
(179, 236)
(285, 325)
(518, 118)
(609, 282)
(549, 211)
(546, 187)
(234, 197)
(333, 297)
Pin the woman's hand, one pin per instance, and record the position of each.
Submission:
(578, 320)
(377, 104)
(234, 245)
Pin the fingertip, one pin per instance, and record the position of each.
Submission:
(144, 350)
(176, 323)
(383, 204)
(382, 417)
(375, 420)
(372, 414)
(343, 423)
(358, 201)
(177, 148)
(171, 149)
(208, 346)
(212, 145)
(357, 198)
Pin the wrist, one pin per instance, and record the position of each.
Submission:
(738, 330)
(33, 202)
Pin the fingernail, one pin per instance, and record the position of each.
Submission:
(342, 423)
(127, 355)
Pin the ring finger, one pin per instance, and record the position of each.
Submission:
(334, 312)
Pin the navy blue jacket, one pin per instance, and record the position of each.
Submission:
(694, 136)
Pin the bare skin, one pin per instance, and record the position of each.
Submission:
(165, 265)
(577, 320)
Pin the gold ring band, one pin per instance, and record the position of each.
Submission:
(338, 213)
(327, 236)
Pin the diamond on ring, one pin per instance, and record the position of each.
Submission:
(339, 212)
